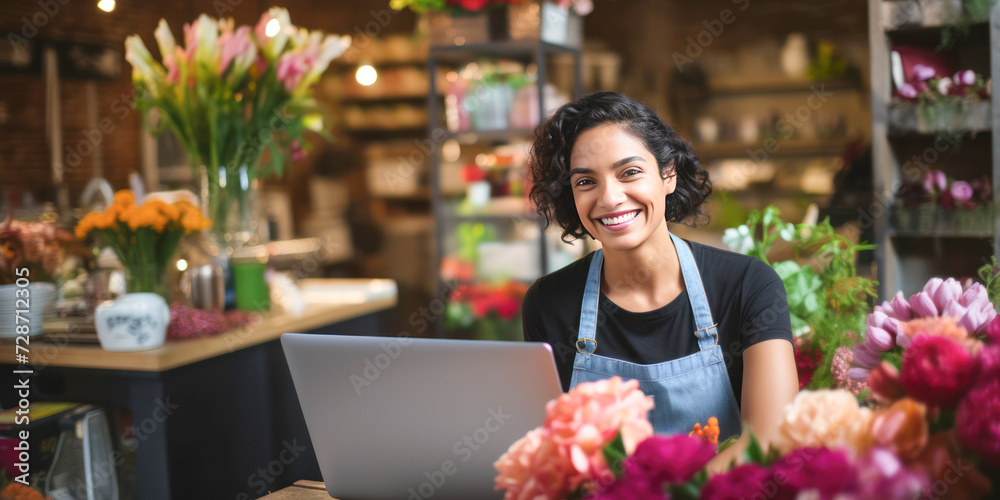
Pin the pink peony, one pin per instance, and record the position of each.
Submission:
(988, 364)
(936, 370)
(566, 452)
(961, 190)
(978, 421)
(638, 487)
(966, 77)
(670, 459)
(827, 472)
(923, 72)
(908, 91)
(744, 481)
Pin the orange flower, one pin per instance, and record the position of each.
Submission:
(825, 417)
(943, 326)
(902, 428)
(18, 491)
(709, 433)
(124, 198)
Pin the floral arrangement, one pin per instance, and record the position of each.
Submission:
(37, 246)
(931, 87)
(493, 309)
(596, 443)
(827, 300)
(937, 188)
(582, 7)
(230, 92)
(17, 491)
(144, 237)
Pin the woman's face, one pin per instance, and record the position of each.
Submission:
(617, 187)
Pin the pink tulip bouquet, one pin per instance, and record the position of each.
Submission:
(230, 92)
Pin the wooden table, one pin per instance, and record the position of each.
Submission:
(301, 490)
(201, 408)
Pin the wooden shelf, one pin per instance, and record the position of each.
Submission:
(474, 136)
(775, 85)
(940, 233)
(789, 148)
(515, 49)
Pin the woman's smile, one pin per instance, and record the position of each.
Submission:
(619, 220)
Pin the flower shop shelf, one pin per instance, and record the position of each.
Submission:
(932, 222)
(956, 117)
(514, 49)
(481, 136)
(776, 84)
(722, 150)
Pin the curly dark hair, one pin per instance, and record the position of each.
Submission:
(550, 154)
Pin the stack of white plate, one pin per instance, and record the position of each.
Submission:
(40, 297)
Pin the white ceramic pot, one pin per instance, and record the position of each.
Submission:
(33, 299)
(133, 322)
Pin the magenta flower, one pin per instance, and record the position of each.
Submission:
(978, 421)
(826, 471)
(961, 190)
(923, 72)
(988, 364)
(907, 91)
(940, 180)
(865, 356)
(928, 183)
(936, 370)
(670, 459)
(292, 66)
(993, 331)
(966, 77)
(636, 487)
(979, 309)
(898, 308)
(883, 476)
(744, 481)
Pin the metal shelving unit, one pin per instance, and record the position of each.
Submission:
(907, 258)
(526, 51)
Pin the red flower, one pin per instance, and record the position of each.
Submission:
(469, 4)
(807, 359)
(978, 421)
(937, 371)
(884, 382)
(669, 459)
(472, 173)
(744, 481)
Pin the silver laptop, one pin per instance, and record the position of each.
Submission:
(405, 418)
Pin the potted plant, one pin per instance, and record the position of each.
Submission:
(144, 237)
(30, 252)
(490, 311)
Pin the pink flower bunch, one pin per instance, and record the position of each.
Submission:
(820, 473)
(978, 416)
(37, 246)
(566, 452)
(658, 462)
(928, 85)
(971, 310)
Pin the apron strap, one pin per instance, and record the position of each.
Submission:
(708, 336)
(586, 342)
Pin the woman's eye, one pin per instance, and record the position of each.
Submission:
(630, 172)
(584, 182)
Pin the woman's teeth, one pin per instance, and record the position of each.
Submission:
(620, 219)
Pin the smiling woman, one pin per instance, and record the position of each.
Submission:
(705, 331)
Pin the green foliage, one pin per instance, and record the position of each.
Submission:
(975, 11)
(990, 275)
(614, 455)
(826, 298)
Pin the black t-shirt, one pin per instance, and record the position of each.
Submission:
(746, 297)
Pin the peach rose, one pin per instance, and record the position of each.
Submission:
(566, 452)
(826, 417)
(902, 428)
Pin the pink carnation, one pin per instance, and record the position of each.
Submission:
(566, 452)
(744, 481)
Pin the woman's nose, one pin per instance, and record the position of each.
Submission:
(613, 194)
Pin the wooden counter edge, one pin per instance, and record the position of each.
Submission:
(177, 353)
(301, 490)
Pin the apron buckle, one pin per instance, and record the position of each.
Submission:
(586, 345)
(708, 328)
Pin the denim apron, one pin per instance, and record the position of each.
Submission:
(686, 390)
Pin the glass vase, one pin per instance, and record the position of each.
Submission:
(146, 278)
(229, 198)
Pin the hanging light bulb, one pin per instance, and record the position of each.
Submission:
(366, 75)
(106, 5)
